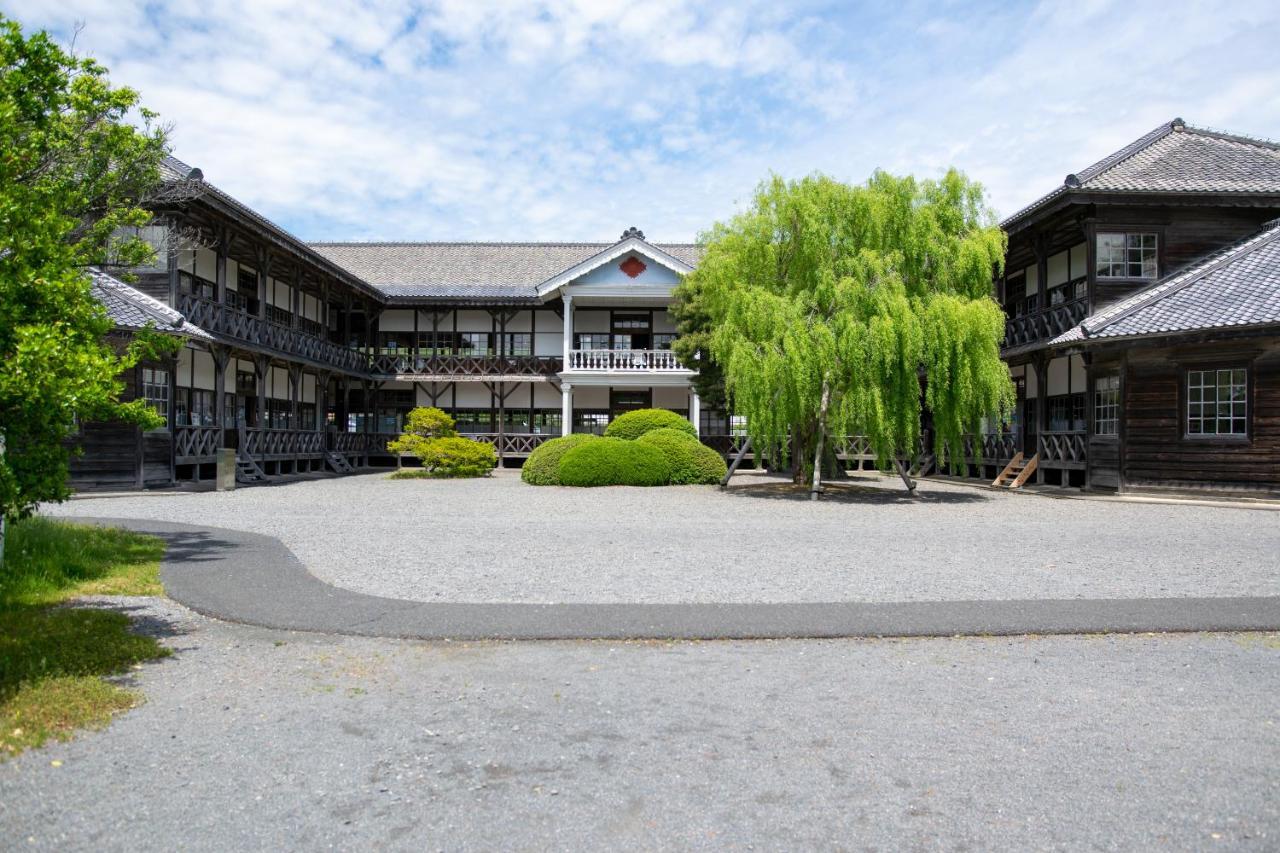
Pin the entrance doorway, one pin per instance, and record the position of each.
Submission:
(621, 402)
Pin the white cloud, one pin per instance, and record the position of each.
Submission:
(572, 120)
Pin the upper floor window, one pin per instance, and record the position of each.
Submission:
(1217, 402)
(1126, 255)
(1106, 405)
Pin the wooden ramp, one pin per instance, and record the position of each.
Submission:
(1017, 472)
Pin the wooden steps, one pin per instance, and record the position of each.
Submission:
(249, 471)
(338, 463)
(1017, 472)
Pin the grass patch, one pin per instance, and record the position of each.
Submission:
(53, 660)
(49, 561)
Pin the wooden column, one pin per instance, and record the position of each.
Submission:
(261, 369)
(1041, 366)
(264, 270)
(220, 268)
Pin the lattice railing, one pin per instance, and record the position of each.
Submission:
(224, 320)
(265, 443)
(511, 442)
(1045, 323)
(192, 443)
(402, 364)
(1058, 449)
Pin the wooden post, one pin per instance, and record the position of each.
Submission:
(737, 460)
(822, 434)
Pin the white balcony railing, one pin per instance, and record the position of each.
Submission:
(625, 360)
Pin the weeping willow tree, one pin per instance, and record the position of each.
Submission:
(850, 310)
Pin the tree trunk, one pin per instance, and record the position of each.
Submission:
(822, 431)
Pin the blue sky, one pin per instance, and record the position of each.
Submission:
(467, 119)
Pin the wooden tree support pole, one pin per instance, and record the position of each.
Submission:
(906, 476)
(737, 460)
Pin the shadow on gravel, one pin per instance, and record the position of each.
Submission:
(850, 493)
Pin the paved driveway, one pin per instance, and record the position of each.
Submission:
(498, 540)
(253, 739)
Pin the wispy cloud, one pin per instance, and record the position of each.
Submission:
(550, 120)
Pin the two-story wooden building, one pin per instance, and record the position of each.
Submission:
(1141, 294)
(304, 357)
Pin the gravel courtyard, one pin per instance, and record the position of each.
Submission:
(252, 739)
(499, 540)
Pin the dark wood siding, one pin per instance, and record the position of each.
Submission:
(1156, 450)
(108, 454)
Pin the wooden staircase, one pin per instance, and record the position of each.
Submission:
(924, 465)
(1017, 472)
(249, 471)
(338, 463)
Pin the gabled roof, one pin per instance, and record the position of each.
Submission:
(130, 308)
(474, 270)
(1238, 287)
(1173, 158)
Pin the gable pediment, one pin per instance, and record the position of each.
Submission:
(631, 264)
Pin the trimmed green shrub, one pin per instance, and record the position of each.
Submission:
(542, 468)
(423, 425)
(691, 461)
(637, 423)
(454, 456)
(614, 462)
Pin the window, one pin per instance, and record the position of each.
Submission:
(155, 390)
(1066, 413)
(279, 316)
(663, 341)
(475, 343)
(188, 283)
(519, 343)
(1217, 402)
(631, 321)
(546, 422)
(592, 340)
(1126, 256)
(473, 420)
(1106, 405)
(593, 422)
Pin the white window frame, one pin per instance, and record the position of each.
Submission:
(1217, 397)
(1106, 405)
(154, 382)
(1123, 257)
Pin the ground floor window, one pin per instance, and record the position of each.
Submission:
(547, 422)
(1066, 413)
(155, 390)
(1106, 405)
(593, 422)
(1217, 402)
(193, 407)
(473, 420)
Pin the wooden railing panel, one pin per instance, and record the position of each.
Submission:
(196, 443)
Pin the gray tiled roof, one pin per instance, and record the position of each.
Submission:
(1176, 158)
(130, 308)
(173, 170)
(470, 270)
(1236, 287)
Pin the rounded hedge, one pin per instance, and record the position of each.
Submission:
(454, 456)
(614, 462)
(637, 423)
(542, 468)
(691, 461)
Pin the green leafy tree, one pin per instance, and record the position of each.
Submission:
(830, 305)
(422, 426)
(73, 173)
(693, 345)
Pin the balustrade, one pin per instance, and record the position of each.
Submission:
(625, 360)
(196, 443)
(262, 443)
(511, 443)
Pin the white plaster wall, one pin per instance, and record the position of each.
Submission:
(202, 375)
(1020, 370)
(1058, 376)
(308, 388)
(206, 264)
(1057, 272)
(1033, 281)
(671, 398)
(470, 320)
(396, 320)
(233, 275)
(1033, 386)
(1079, 258)
(592, 397)
(545, 396)
(521, 322)
(1079, 378)
(590, 320)
(280, 383)
(472, 395)
(550, 323)
(548, 344)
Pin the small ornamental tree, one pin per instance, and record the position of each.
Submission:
(73, 174)
(420, 427)
(831, 304)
